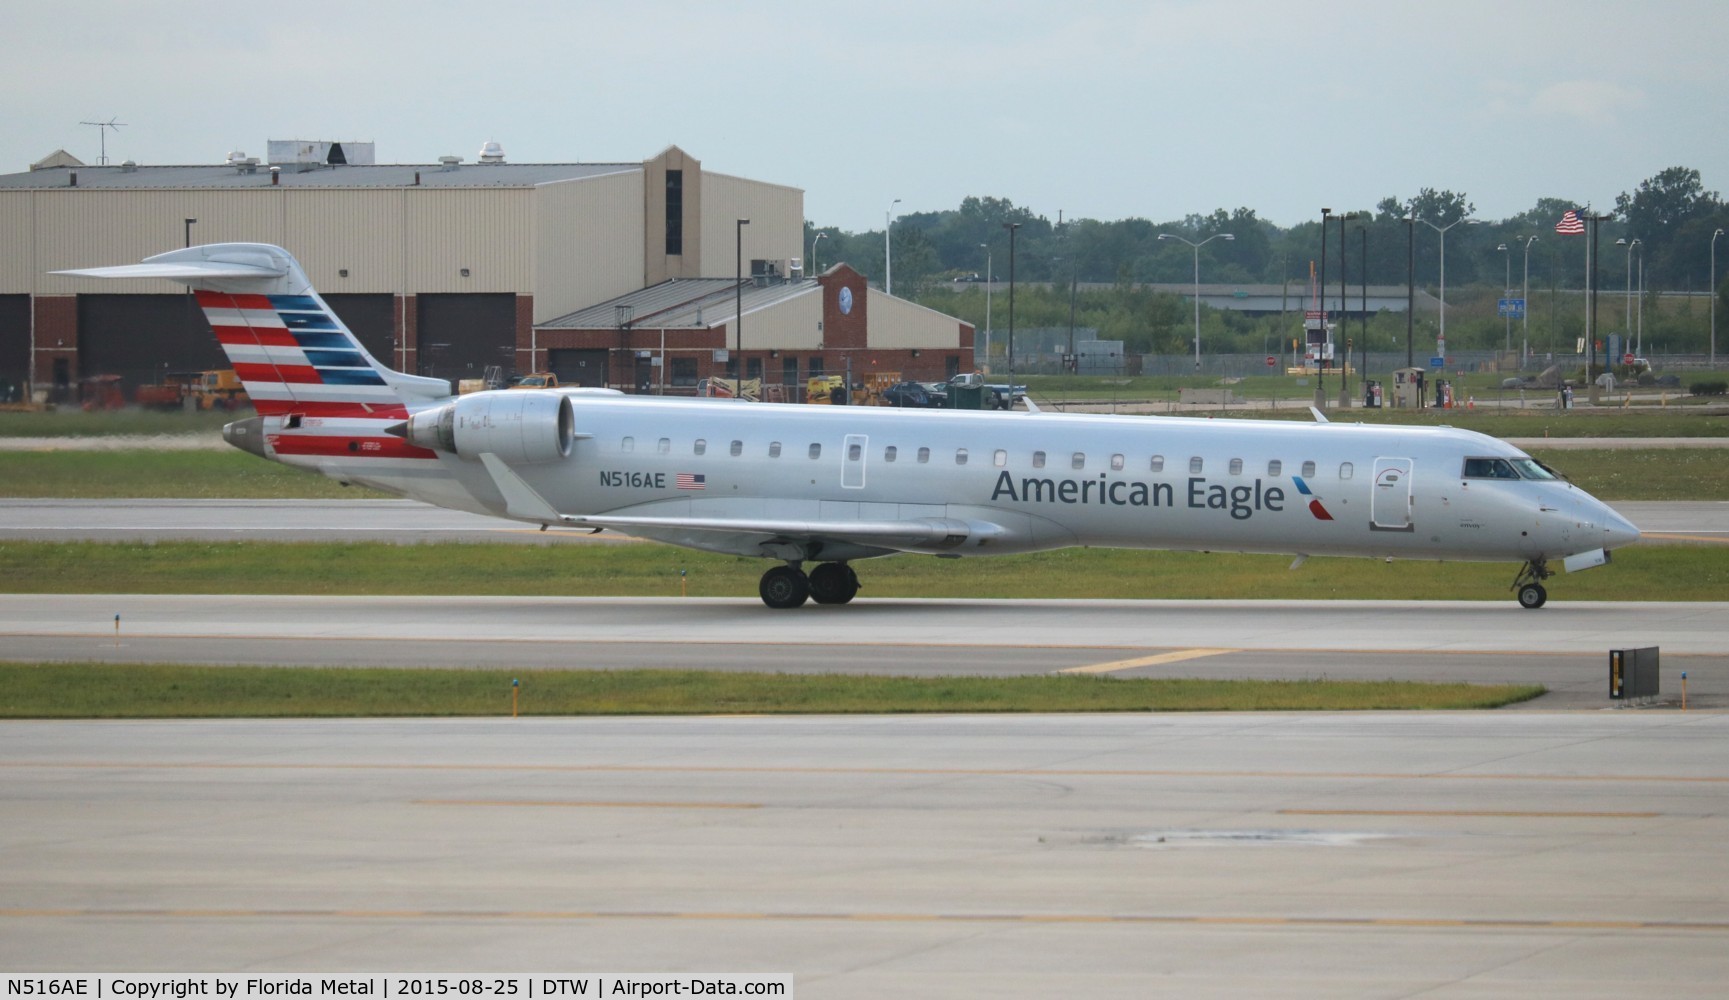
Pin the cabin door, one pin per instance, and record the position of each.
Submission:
(1390, 504)
(852, 474)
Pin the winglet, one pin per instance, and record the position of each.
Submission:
(520, 499)
(1320, 418)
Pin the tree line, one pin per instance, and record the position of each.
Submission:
(1671, 216)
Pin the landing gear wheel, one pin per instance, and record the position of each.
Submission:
(784, 587)
(833, 583)
(1532, 595)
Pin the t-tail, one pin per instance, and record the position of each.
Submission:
(322, 400)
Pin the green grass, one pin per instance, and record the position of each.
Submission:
(156, 691)
(1667, 573)
(1612, 474)
(77, 423)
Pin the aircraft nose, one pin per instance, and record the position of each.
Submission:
(1617, 530)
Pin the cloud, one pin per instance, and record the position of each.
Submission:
(1592, 102)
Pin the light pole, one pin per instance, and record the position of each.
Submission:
(1624, 242)
(1506, 279)
(1713, 291)
(1525, 312)
(888, 259)
(1441, 340)
(738, 308)
(1344, 365)
(1011, 227)
(819, 238)
(189, 224)
(986, 247)
(1196, 247)
(1410, 285)
(1326, 337)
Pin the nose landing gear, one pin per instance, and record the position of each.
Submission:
(1529, 584)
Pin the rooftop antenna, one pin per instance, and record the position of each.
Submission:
(102, 128)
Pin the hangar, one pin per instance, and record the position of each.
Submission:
(638, 275)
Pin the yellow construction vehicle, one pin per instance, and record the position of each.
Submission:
(826, 389)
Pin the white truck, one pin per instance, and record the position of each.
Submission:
(997, 396)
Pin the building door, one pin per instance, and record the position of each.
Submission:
(574, 366)
(459, 336)
(1390, 503)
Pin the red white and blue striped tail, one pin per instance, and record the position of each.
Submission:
(299, 362)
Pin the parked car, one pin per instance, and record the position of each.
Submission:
(908, 394)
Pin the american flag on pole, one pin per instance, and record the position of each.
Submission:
(691, 481)
(1571, 224)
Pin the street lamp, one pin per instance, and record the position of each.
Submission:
(986, 247)
(888, 260)
(738, 308)
(1624, 242)
(1441, 340)
(1344, 366)
(1506, 279)
(1196, 247)
(1713, 291)
(819, 238)
(1525, 311)
(1011, 227)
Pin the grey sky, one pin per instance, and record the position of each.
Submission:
(1105, 110)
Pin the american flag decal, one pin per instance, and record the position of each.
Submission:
(691, 481)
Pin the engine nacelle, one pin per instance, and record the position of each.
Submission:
(517, 425)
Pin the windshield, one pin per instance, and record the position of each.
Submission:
(1530, 468)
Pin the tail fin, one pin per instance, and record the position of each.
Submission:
(289, 348)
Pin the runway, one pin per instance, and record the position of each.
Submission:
(1564, 646)
(1478, 854)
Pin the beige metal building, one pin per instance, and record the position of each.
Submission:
(443, 269)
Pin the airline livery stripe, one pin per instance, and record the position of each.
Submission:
(388, 446)
(379, 394)
(330, 409)
(291, 374)
(246, 336)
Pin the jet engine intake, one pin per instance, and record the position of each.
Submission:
(517, 425)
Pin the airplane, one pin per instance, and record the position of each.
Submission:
(831, 486)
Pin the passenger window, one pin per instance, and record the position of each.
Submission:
(1038, 459)
(1195, 464)
(889, 453)
(1274, 467)
(737, 448)
(1000, 458)
(1345, 470)
(1078, 460)
(628, 444)
(663, 446)
(1309, 469)
(1116, 463)
(774, 449)
(1236, 466)
(1158, 463)
(854, 452)
(924, 455)
(960, 456)
(815, 450)
(700, 447)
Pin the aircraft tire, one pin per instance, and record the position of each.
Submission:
(1532, 596)
(784, 587)
(833, 583)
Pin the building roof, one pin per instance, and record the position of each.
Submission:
(685, 303)
(226, 177)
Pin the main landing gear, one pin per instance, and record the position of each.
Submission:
(1529, 584)
(788, 586)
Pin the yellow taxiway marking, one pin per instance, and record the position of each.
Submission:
(588, 805)
(1676, 536)
(987, 772)
(1490, 813)
(1214, 920)
(1175, 656)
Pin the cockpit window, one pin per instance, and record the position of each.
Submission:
(1489, 468)
(1530, 468)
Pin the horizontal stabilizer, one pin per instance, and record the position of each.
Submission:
(189, 272)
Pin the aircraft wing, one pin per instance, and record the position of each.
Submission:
(914, 534)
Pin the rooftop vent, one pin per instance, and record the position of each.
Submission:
(449, 162)
(242, 163)
(129, 167)
(491, 152)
